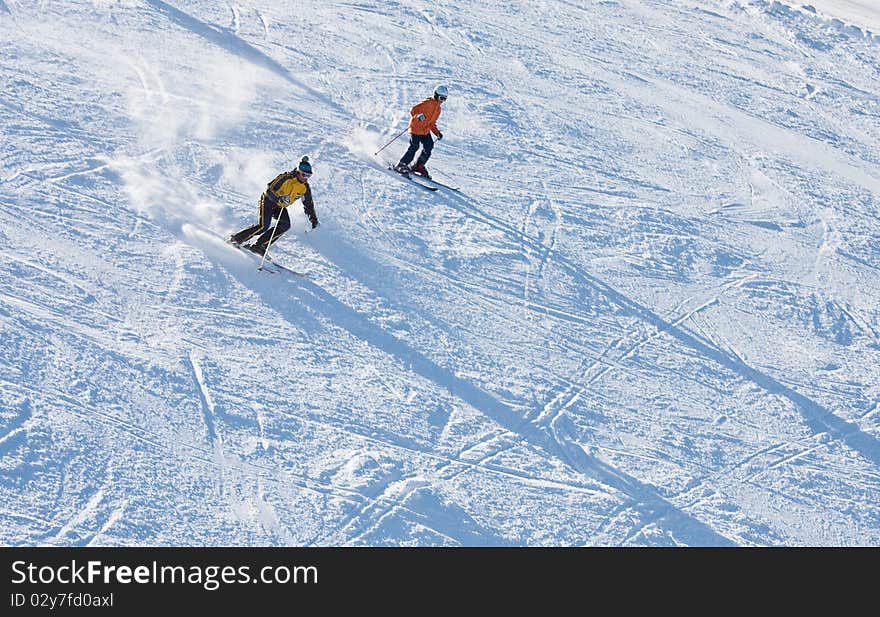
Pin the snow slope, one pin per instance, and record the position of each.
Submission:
(863, 14)
(650, 316)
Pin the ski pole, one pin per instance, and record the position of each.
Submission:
(262, 261)
(391, 142)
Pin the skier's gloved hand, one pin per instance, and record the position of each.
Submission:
(284, 199)
(420, 117)
(439, 135)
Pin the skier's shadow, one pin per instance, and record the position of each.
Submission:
(321, 305)
(817, 417)
(230, 42)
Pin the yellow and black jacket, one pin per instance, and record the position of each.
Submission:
(288, 185)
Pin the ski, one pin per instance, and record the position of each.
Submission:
(411, 179)
(445, 186)
(268, 265)
(413, 175)
(275, 264)
(247, 251)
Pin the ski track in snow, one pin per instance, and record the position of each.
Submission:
(647, 318)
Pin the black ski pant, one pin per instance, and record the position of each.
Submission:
(427, 144)
(269, 209)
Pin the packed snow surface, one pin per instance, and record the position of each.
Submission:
(649, 316)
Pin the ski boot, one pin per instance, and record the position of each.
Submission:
(419, 169)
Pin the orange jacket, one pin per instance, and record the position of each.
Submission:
(431, 108)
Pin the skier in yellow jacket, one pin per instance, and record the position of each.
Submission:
(280, 193)
(423, 122)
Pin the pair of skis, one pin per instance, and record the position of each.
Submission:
(270, 266)
(429, 184)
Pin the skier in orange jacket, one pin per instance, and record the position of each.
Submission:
(422, 123)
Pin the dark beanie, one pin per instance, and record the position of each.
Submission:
(305, 166)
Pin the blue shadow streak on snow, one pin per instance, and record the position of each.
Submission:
(816, 416)
(654, 508)
(234, 45)
(57, 124)
(453, 521)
